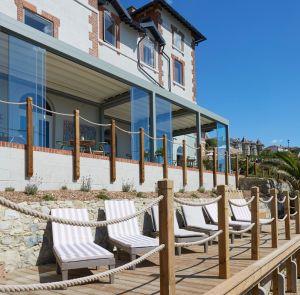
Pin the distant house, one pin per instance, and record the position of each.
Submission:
(246, 147)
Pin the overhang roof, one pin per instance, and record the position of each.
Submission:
(197, 35)
(154, 31)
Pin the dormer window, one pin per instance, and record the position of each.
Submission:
(148, 52)
(178, 39)
(38, 22)
(109, 28)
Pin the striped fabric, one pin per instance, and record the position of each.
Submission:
(178, 232)
(126, 233)
(212, 211)
(244, 213)
(75, 243)
(194, 218)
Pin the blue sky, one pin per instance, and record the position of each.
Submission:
(248, 70)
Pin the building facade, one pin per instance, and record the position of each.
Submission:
(135, 65)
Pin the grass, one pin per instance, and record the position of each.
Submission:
(64, 188)
(140, 195)
(48, 197)
(102, 196)
(31, 189)
(9, 189)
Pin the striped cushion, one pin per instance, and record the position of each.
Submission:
(75, 243)
(194, 218)
(126, 233)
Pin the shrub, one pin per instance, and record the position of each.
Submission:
(31, 189)
(127, 187)
(48, 197)
(182, 190)
(64, 188)
(194, 195)
(102, 196)
(86, 184)
(201, 189)
(140, 195)
(9, 189)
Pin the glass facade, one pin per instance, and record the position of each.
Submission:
(222, 146)
(22, 75)
(140, 118)
(163, 126)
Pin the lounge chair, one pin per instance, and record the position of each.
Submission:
(126, 235)
(244, 213)
(73, 246)
(195, 220)
(181, 234)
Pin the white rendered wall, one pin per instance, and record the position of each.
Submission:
(55, 170)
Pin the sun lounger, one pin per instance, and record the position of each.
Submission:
(126, 235)
(74, 246)
(181, 235)
(244, 213)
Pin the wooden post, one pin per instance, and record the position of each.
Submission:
(29, 137)
(226, 167)
(237, 171)
(297, 209)
(215, 168)
(291, 276)
(165, 156)
(142, 156)
(184, 169)
(113, 151)
(255, 168)
(200, 165)
(297, 256)
(278, 282)
(287, 212)
(255, 232)
(274, 214)
(166, 237)
(76, 148)
(223, 241)
(247, 166)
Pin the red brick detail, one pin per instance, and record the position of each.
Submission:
(12, 145)
(93, 35)
(22, 4)
(174, 58)
(101, 22)
(93, 3)
(194, 81)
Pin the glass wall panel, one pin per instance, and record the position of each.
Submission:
(222, 146)
(22, 75)
(163, 126)
(140, 118)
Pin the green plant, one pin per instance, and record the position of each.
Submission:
(10, 189)
(31, 189)
(140, 195)
(182, 190)
(201, 189)
(86, 184)
(102, 196)
(48, 197)
(127, 187)
(64, 188)
(194, 195)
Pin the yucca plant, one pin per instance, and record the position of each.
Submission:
(284, 165)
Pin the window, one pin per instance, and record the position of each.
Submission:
(178, 72)
(148, 56)
(34, 20)
(177, 40)
(109, 29)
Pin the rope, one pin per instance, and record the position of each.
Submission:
(197, 204)
(282, 201)
(238, 232)
(267, 222)
(93, 123)
(293, 199)
(126, 131)
(79, 281)
(14, 103)
(242, 205)
(154, 138)
(267, 201)
(200, 242)
(52, 112)
(283, 219)
(294, 214)
(47, 217)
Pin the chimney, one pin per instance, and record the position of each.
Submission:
(131, 9)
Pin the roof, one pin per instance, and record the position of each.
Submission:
(197, 35)
(154, 31)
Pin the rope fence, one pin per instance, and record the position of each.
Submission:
(282, 219)
(93, 123)
(197, 204)
(282, 201)
(242, 205)
(238, 232)
(13, 103)
(267, 201)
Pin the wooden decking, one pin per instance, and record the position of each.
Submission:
(196, 272)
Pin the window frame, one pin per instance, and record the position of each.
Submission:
(142, 57)
(181, 35)
(108, 13)
(40, 17)
(176, 60)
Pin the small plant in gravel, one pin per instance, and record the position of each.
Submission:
(140, 195)
(10, 189)
(201, 189)
(64, 188)
(48, 197)
(182, 190)
(86, 184)
(102, 196)
(127, 187)
(194, 195)
(32, 186)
